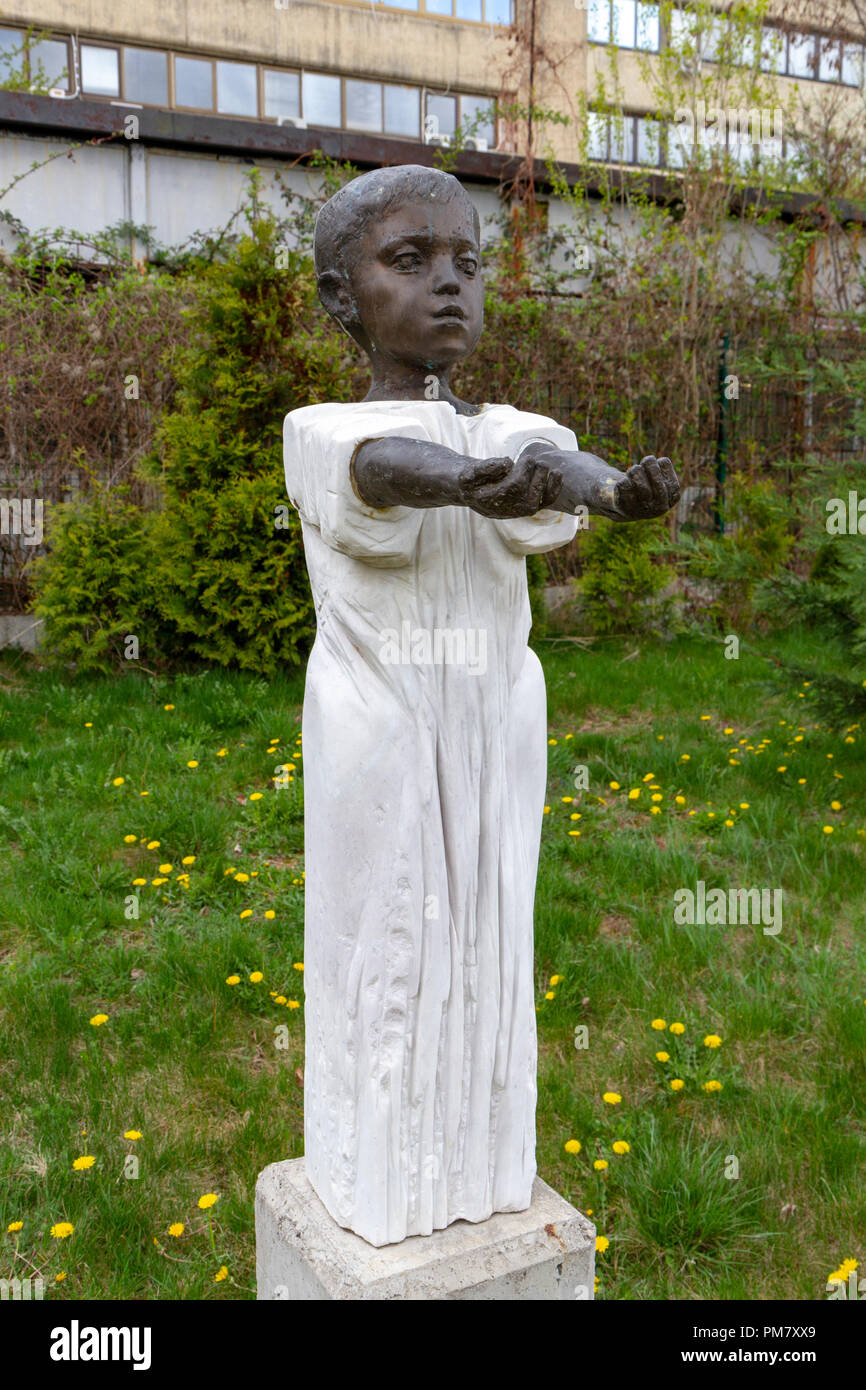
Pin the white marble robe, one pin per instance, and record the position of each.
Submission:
(424, 787)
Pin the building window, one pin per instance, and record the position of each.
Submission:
(802, 61)
(193, 83)
(477, 118)
(626, 23)
(363, 105)
(49, 63)
(145, 76)
(11, 57)
(852, 65)
(480, 11)
(237, 89)
(321, 99)
(440, 115)
(402, 110)
(282, 94)
(100, 71)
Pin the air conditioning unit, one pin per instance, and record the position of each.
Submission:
(296, 122)
(477, 142)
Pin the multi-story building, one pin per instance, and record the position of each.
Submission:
(215, 86)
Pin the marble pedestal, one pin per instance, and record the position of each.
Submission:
(546, 1252)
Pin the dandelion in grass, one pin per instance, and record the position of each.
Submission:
(222, 752)
(711, 1086)
(193, 762)
(132, 1135)
(677, 1083)
(292, 1004)
(611, 1098)
(15, 1226)
(60, 1276)
(168, 707)
(153, 844)
(621, 1146)
(62, 1230)
(677, 1029)
(233, 979)
(130, 839)
(712, 1040)
(663, 1056)
(176, 1229)
(298, 965)
(659, 1025)
(221, 1274)
(256, 796)
(601, 1244)
(550, 994)
(166, 868)
(256, 977)
(599, 1164)
(280, 999)
(270, 914)
(828, 829)
(98, 1020)
(557, 979)
(85, 1161)
(139, 882)
(572, 1146)
(118, 781)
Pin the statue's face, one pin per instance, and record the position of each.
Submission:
(417, 283)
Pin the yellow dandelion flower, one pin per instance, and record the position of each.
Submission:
(188, 859)
(614, 786)
(280, 999)
(153, 844)
(663, 1056)
(167, 707)
(176, 1229)
(550, 994)
(15, 1226)
(711, 1086)
(298, 965)
(118, 781)
(601, 1244)
(242, 878)
(256, 796)
(86, 1161)
(634, 794)
(193, 762)
(292, 1004)
(621, 1146)
(828, 829)
(270, 914)
(60, 1276)
(166, 868)
(572, 1146)
(256, 977)
(247, 912)
(139, 882)
(130, 839)
(132, 1134)
(677, 1084)
(222, 1273)
(650, 777)
(222, 752)
(556, 979)
(599, 1164)
(209, 1199)
(547, 810)
(677, 1028)
(835, 805)
(98, 1020)
(712, 1040)
(659, 1025)
(611, 1098)
(233, 979)
(62, 1230)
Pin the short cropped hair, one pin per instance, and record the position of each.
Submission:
(342, 221)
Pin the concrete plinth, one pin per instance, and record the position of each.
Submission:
(546, 1252)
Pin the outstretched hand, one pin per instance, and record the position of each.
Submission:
(503, 487)
(649, 488)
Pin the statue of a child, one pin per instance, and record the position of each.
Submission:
(425, 724)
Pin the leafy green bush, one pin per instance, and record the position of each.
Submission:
(96, 587)
(623, 574)
(219, 572)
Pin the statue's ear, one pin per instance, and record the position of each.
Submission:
(336, 295)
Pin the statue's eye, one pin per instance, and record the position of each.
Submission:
(407, 260)
(468, 265)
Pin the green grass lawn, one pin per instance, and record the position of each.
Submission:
(210, 1074)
